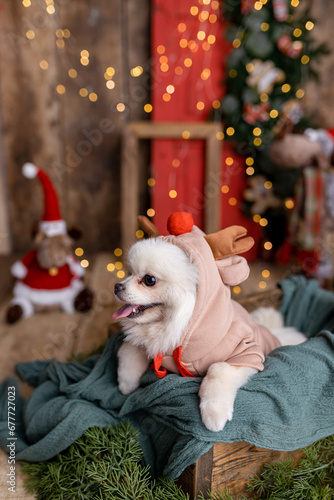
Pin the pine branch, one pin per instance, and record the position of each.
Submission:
(105, 464)
(224, 495)
(312, 479)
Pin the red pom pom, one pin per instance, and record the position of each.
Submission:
(180, 223)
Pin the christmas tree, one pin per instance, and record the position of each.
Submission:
(273, 55)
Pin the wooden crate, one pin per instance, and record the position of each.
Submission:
(230, 465)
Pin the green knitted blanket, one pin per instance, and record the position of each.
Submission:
(287, 406)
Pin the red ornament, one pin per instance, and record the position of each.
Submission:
(180, 223)
(290, 48)
(253, 113)
(247, 6)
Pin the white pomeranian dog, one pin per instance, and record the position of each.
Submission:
(178, 313)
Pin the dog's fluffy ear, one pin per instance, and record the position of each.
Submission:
(233, 270)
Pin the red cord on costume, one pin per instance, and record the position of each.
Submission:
(182, 369)
(160, 372)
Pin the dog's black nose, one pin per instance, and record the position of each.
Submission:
(119, 287)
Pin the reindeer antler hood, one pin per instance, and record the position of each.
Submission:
(220, 329)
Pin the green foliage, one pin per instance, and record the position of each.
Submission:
(255, 35)
(312, 479)
(105, 464)
(270, 62)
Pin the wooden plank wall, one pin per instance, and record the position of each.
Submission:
(319, 96)
(78, 141)
(75, 140)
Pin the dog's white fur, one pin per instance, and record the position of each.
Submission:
(159, 329)
(273, 320)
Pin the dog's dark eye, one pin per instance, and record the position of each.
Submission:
(149, 280)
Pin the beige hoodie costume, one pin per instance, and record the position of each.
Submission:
(220, 329)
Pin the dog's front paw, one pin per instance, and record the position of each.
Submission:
(127, 385)
(218, 391)
(217, 396)
(215, 414)
(132, 364)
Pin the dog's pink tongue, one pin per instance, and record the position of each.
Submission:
(123, 312)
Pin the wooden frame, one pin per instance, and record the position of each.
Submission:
(136, 131)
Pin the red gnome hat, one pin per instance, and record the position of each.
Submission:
(52, 223)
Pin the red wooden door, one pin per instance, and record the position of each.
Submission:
(188, 56)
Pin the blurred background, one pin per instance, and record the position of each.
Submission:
(75, 73)
(223, 109)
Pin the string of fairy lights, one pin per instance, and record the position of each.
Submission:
(206, 12)
(62, 35)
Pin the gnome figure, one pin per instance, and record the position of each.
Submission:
(49, 275)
